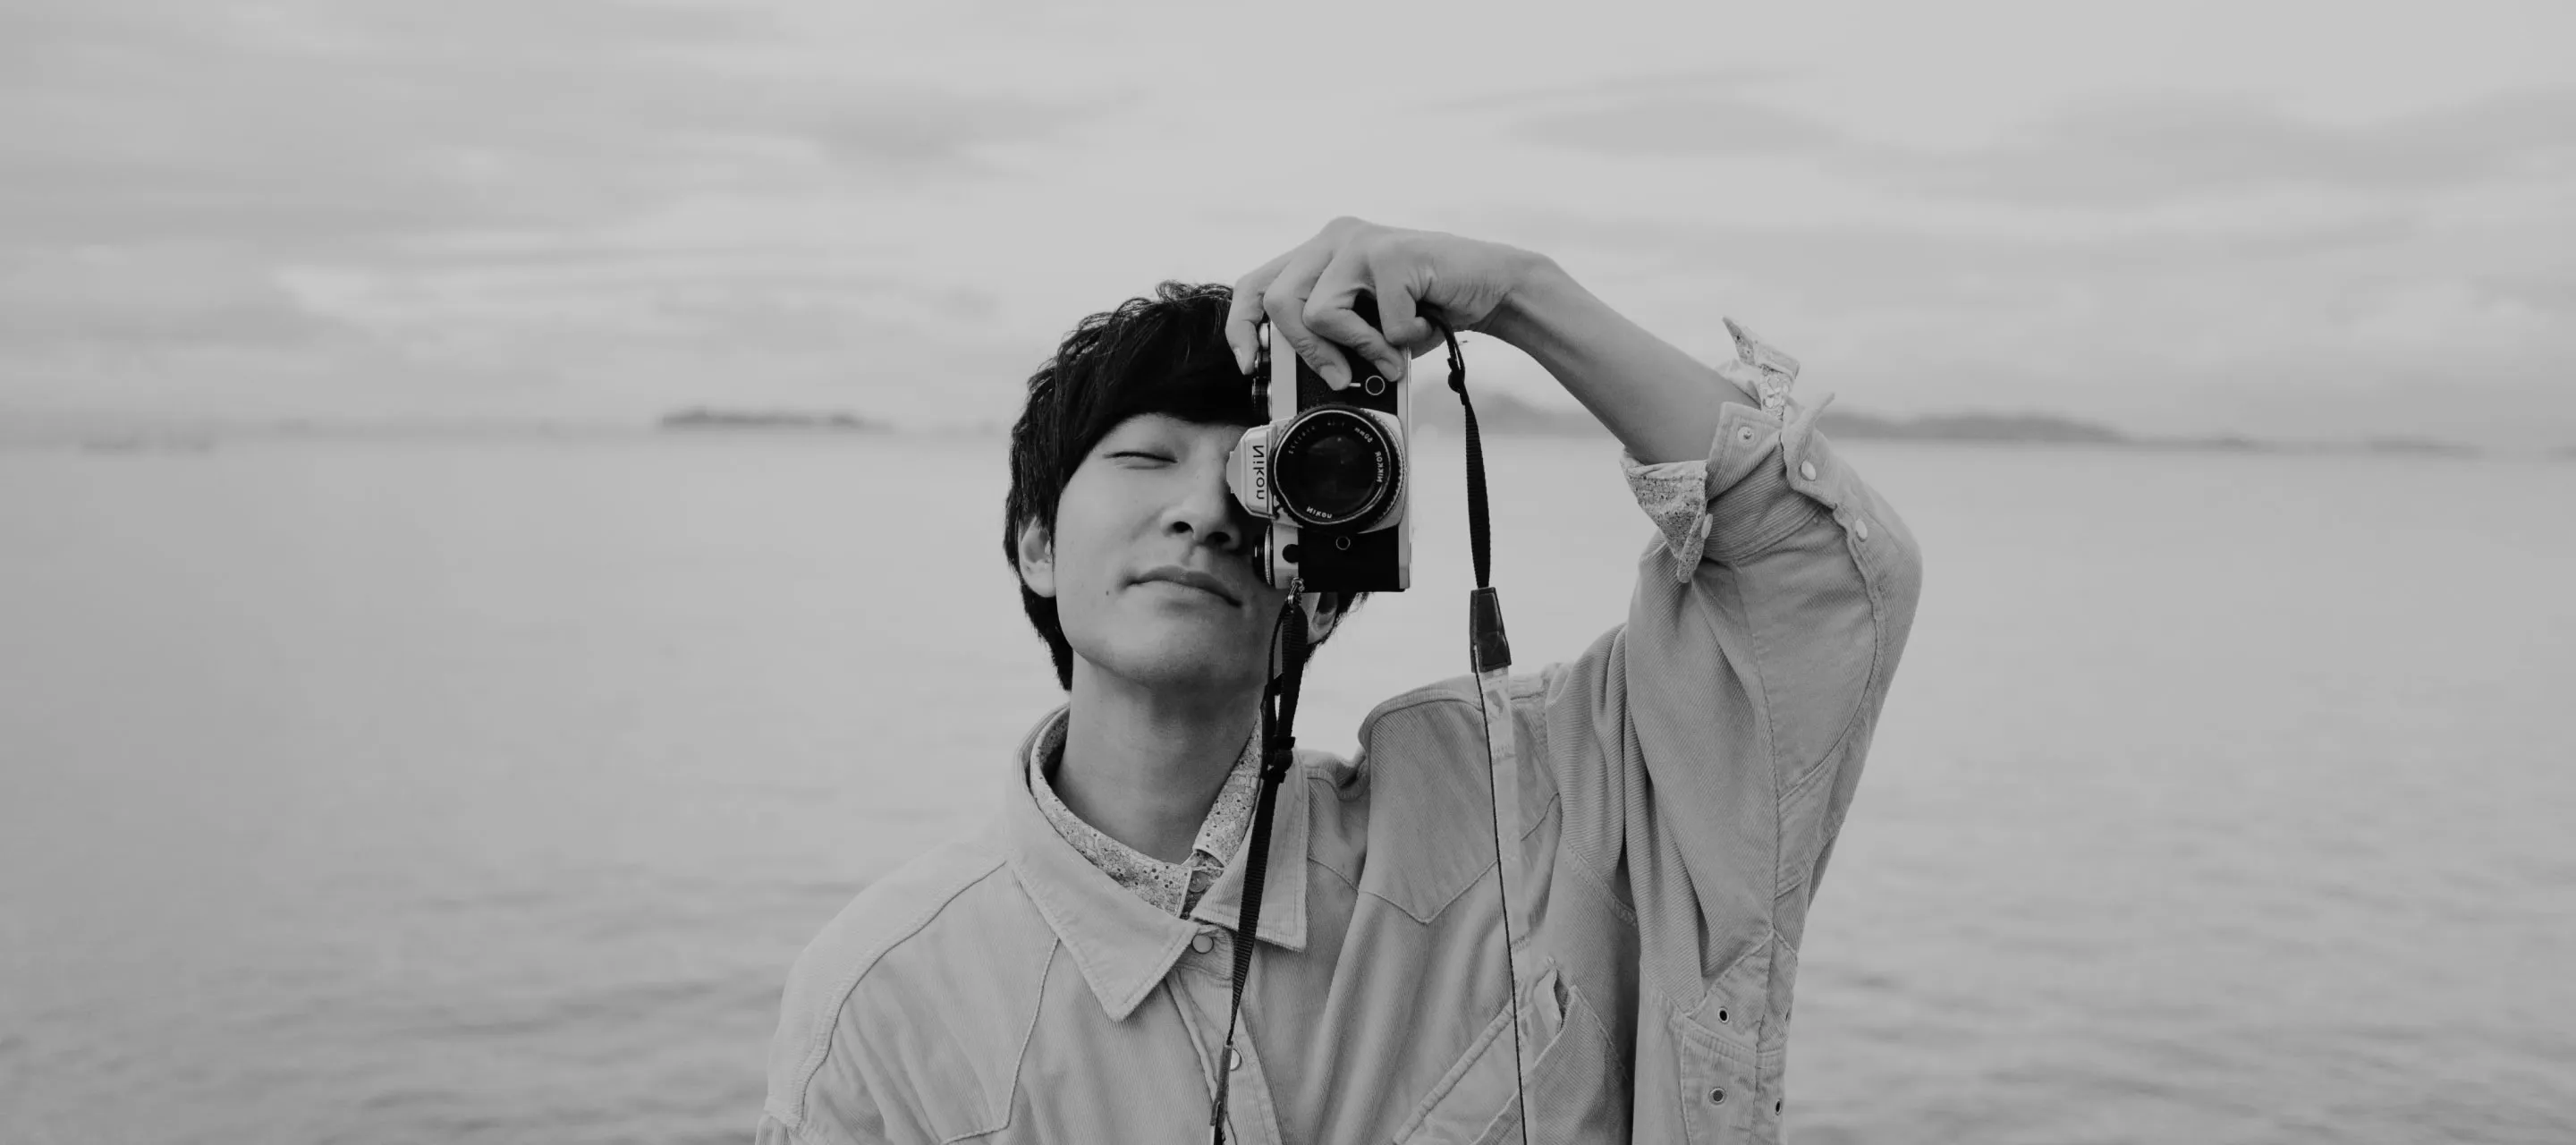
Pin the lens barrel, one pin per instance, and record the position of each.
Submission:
(1337, 466)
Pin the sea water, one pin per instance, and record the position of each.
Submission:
(463, 790)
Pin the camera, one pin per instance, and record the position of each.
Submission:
(1326, 468)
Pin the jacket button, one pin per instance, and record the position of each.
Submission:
(1807, 469)
(1234, 1059)
(1203, 943)
(1744, 434)
(1717, 1097)
(1860, 528)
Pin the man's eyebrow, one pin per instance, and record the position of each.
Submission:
(1147, 423)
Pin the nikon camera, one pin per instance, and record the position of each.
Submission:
(1327, 470)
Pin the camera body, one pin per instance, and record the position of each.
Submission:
(1328, 470)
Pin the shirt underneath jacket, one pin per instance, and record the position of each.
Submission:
(1683, 779)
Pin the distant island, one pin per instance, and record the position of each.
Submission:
(1435, 411)
(2418, 445)
(706, 417)
(1503, 413)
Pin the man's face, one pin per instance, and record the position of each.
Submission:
(1146, 510)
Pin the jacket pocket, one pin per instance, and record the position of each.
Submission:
(1576, 1090)
(1719, 1089)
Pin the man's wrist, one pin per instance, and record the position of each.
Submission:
(1539, 289)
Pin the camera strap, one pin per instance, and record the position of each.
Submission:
(1490, 654)
(1288, 649)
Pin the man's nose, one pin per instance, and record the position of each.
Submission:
(1208, 514)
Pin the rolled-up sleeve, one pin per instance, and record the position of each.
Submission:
(1707, 751)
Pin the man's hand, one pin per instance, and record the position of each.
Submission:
(1307, 295)
(1658, 401)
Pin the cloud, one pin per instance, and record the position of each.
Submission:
(2549, 291)
(1691, 114)
(2171, 329)
(2132, 150)
(476, 190)
(313, 124)
(1699, 124)
(152, 300)
(908, 133)
(2147, 149)
(1896, 264)
(2447, 326)
(605, 204)
(140, 122)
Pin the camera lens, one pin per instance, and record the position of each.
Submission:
(1337, 466)
(1339, 470)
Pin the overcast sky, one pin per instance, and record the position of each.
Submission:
(2286, 219)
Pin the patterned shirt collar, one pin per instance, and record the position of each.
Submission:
(1172, 887)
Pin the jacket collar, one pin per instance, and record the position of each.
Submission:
(1123, 945)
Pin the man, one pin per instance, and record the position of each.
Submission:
(1064, 976)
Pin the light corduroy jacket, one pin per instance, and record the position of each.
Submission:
(1683, 780)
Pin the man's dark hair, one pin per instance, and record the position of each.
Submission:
(1165, 354)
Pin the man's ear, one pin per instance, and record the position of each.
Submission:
(1323, 612)
(1037, 559)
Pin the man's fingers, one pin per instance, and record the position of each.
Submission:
(1285, 302)
(1243, 314)
(1399, 315)
(1329, 312)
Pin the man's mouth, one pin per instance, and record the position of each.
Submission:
(1192, 578)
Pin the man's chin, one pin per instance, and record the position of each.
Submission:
(1183, 670)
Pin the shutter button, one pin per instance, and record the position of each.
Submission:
(1203, 942)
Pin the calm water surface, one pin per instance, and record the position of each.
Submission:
(483, 790)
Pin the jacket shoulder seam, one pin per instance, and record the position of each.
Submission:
(828, 1010)
(1417, 697)
(1821, 766)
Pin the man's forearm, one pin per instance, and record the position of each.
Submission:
(1658, 401)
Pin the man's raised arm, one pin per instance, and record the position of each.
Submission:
(1702, 754)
